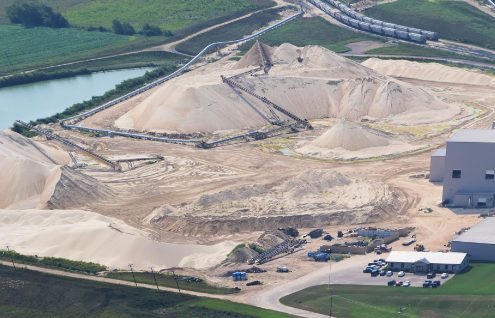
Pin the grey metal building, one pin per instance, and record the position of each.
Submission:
(468, 169)
(478, 242)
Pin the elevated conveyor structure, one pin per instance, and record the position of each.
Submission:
(266, 62)
(91, 154)
(303, 122)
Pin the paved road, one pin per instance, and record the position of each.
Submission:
(415, 57)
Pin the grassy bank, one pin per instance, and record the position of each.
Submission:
(52, 262)
(168, 280)
(470, 294)
(453, 20)
(313, 31)
(231, 31)
(30, 294)
(136, 60)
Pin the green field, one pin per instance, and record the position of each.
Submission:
(467, 295)
(453, 20)
(231, 31)
(30, 294)
(168, 281)
(169, 15)
(23, 48)
(314, 31)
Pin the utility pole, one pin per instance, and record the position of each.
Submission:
(176, 282)
(154, 277)
(134, 277)
(11, 257)
(329, 286)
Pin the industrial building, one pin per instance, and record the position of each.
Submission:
(467, 169)
(425, 262)
(478, 242)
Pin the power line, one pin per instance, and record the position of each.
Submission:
(154, 277)
(134, 277)
(11, 257)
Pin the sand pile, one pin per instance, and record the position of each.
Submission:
(30, 171)
(253, 57)
(82, 235)
(429, 72)
(350, 136)
(311, 82)
(349, 140)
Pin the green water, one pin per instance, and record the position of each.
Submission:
(43, 99)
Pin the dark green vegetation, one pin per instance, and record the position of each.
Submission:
(313, 31)
(453, 20)
(471, 294)
(23, 48)
(33, 14)
(30, 294)
(119, 90)
(231, 31)
(169, 15)
(188, 283)
(53, 262)
(142, 59)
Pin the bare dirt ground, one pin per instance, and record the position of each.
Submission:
(364, 46)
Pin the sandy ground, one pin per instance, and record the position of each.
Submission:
(364, 46)
(233, 193)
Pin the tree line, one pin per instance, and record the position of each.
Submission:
(39, 15)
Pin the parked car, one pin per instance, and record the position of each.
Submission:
(427, 284)
(382, 260)
(401, 274)
(375, 273)
(444, 275)
(367, 270)
(399, 283)
(389, 273)
(406, 284)
(383, 273)
(391, 283)
(436, 283)
(431, 275)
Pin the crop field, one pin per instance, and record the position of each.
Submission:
(22, 48)
(231, 31)
(169, 15)
(453, 20)
(25, 293)
(168, 281)
(467, 295)
(314, 31)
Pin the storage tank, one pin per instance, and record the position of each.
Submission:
(417, 37)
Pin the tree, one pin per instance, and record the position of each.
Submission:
(123, 28)
(32, 15)
(151, 30)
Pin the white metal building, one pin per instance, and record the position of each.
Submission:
(478, 242)
(468, 169)
(424, 262)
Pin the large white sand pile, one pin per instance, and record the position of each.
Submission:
(87, 236)
(429, 72)
(350, 136)
(30, 171)
(311, 82)
(349, 140)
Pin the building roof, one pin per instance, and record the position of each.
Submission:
(426, 257)
(483, 232)
(440, 152)
(474, 135)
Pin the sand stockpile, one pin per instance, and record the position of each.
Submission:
(429, 72)
(311, 82)
(349, 140)
(30, 171)
(350, 136)
(87, 236)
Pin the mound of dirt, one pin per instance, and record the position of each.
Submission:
(350, 136)
(311, 82)
(253, 56)
(240, 255)
(429, 72)
(272, 238)
(30, 171)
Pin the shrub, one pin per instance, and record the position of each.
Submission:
(124, 28)
(32, 15)
(151, 30)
